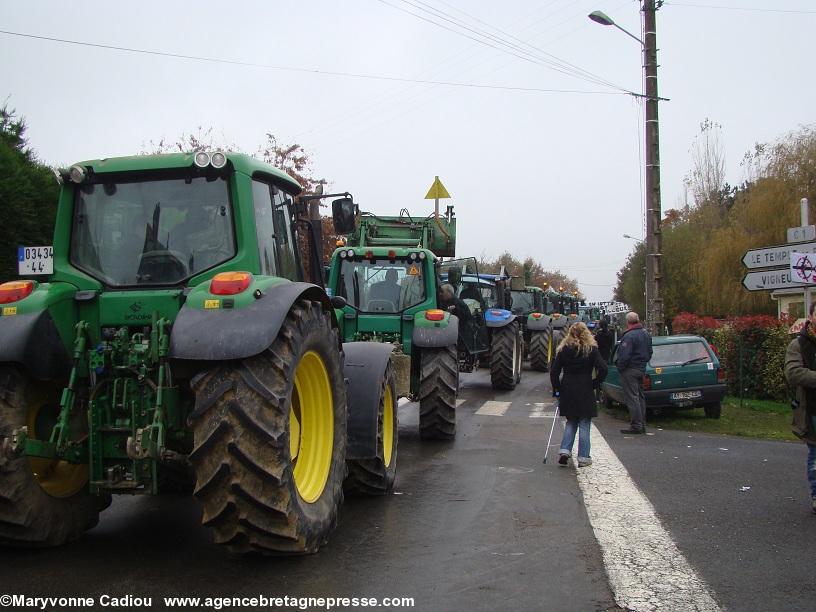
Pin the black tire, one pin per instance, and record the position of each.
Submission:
(376, 476)
(245, 474)
(30, 515)
(539, 344)
(713, 411)
(438, 386)
(504, 351)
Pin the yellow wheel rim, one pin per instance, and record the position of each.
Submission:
(57, 478)
(388, 425)
(311, 427)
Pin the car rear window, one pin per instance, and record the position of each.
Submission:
(677, 354)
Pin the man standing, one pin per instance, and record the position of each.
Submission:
(605, 338)
(800, 363)
(634, 353)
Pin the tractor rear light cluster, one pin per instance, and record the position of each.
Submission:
(217, 160)
(347, 254)
(720, 375)
(647, 382)
(537, 315)
(414, 256)
(14, 291)
(497, 313)
(434, 314)
(230, 283)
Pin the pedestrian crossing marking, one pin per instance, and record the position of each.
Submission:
(540, 411)
(493, 408)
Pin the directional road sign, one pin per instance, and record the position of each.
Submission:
(773, 256)
(765, 280)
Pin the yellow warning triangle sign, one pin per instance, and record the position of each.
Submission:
(437, 191)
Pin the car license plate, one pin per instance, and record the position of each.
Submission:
(686, 395)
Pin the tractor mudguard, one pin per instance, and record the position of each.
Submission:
(32, 340)
(365, 364)
(498, 317)
(540, 324)
(237, 333)
(436, 334)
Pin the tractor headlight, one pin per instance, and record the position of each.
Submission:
(422, 255)
(412, 257)
(218, 160)
(350, 254)
(77, 174)
(201, 159)
(342, 254)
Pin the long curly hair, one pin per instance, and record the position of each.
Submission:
(580, 338)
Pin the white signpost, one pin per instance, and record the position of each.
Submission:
(800, 234)
(768, 280)
(775, 255)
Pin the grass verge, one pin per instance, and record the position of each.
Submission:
(754, 419)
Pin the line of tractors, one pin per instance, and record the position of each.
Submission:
(175, 345)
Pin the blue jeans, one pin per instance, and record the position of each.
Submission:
(811, 469)
(582, 428)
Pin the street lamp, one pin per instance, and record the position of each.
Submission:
(604, 19)
(654, 275)
(632, 238)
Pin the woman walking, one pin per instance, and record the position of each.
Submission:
(577, 357)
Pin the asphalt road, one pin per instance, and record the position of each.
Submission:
(477, 524)
(755, 548)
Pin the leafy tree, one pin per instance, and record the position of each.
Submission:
(28, 194)
(532, 271)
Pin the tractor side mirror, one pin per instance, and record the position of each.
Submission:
(344, 215)
(455, 275)
(338, 302)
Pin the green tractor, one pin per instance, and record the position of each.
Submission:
(386, 275)
(171, 342)
(530, 305)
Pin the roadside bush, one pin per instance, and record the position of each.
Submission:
(690, 323)
(757, 343)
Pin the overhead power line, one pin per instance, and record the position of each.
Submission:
(500, 43)
(740, 8)
(356, 75)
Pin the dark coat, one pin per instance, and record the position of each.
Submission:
(605, 338)
(577, 400)
(635, 349)
(458, 307)
(800, 372)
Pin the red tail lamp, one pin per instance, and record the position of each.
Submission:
(230, 283)
(720, 375)
(434, 314)
(14, 291)
(647, 382)
(537, 315)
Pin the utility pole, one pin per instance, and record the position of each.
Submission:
(654, 267)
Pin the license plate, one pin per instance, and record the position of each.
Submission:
(38, 260)
(686, 395)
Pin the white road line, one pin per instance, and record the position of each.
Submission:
(646, 569)
(539, 411)
(460, 401)
(493, 408)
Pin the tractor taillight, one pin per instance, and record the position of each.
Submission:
(537, 315)
(14, 291)
(230, 283)
(647, 382)
(434, 314)
(720, 375)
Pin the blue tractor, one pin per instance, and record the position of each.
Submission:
(493, 335)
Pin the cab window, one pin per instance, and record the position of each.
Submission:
(265, 227)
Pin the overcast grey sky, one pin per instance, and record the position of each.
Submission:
(552, 175)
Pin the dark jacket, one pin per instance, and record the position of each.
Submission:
(635, 349)
(800, 372)
(605, 338)
(458, 307)
(576, 386)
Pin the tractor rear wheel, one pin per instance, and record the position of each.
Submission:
(376, 476)
(43, 502)
(539, 351)
(438, 386)
(504, 356)
(270, 440)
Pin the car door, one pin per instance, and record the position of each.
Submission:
(612, 384)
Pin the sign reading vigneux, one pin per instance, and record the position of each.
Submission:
(769, 280)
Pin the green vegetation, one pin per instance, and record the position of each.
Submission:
(753, 419)
(28, 194)
(707, 233)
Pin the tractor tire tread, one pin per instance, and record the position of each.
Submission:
(438, 387)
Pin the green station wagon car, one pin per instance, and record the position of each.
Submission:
(684, 372)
